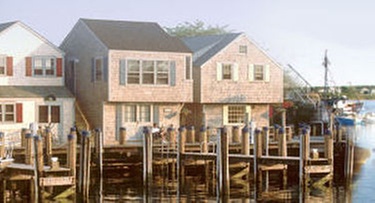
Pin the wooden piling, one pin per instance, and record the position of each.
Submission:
(245, 140)
(223, 163)
(23, 137)
(99, 151)
(122, 135)
(48, 145)
(257, 155)
(203, 139)
(171, 132)
(72, 153)
(304, 157)
(190, 135)
(29, 155)
(266, 140)
(147, 157)
(84, 176)
(180, 151)
(39, 165)
(236, 134)
(2, 146)
(282, 143)
(328, 146)
(349, 158)
(276, 132)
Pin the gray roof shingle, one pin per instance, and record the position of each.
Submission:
(4, 26)
(205, 47)
(137, 36)
(34, 92)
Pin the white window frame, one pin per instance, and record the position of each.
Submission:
(139, 114)
(4, 113)
(4, 59)
(233, 71)
(252, 76)
(243, 49)
(156, 72)
(43, 66)
(226, 114)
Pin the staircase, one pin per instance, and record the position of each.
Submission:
(81, 121)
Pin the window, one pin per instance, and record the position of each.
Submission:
(49, 114)
(145, 113)
(243, 49)
(133, 71)
(236, 114)
(130, 113)
(44, 66)
(7, 113)
(149, 72)
(258, 72)
(98, 69)
(2, 65)
(135, 113)
(188, 67)
(148, 68)
(227, 71)
(162, 72)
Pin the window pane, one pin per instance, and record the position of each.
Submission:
(50, 66)
(130, 113)
(188, 67)
(2, 65)
(55, 114)
(133, 71)
(236, 114)
(98, 69)
(227, 71)
(258, 72)
(148, 72)
(162, 72)
(243, 49)
(145, 113)
(43, 114)
(9, 112)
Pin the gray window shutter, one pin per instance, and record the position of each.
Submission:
(93, 70)
(156, 114)
(105, 69)
(173, 73)
(123, 74)
(118, 120)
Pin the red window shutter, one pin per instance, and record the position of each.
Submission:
(59, 67)
(19, 112)
(9, 66)
(28, 66)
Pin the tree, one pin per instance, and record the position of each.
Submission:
(197, 28)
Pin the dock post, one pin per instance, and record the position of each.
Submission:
(328, 151)
(84, 175)
(48, 145)
(190, 135)
(203, 139)
(122, 135)
(172, 137)
(304, 157)
(245, 140)
(282, 143)
(39, 165)
(276, 132)
(29, 155)
(223, 163)
(236, 134)
(349, 157)
(99, 161)
(72, 153)
(257, 155)
(2, 145)
(180, 151)
(23, 137)
(147, 157)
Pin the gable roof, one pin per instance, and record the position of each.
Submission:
(135, 36)
(205, 47)
(4, 26)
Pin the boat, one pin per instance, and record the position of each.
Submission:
(369, 118)
(347, 113)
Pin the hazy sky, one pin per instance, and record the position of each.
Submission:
(292, 31)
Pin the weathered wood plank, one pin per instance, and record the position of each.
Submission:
(318, 169)
(57, 181)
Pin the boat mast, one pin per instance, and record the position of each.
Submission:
(325, 64)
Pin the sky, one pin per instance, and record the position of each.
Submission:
(292, 32)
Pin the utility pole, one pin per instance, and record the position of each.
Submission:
(325, 64)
